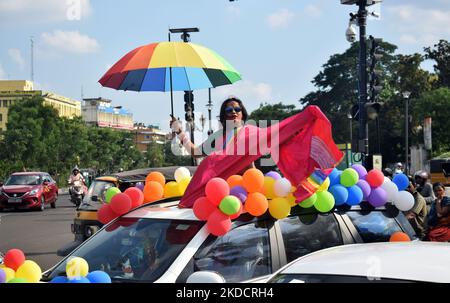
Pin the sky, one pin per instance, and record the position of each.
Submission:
(277, 46)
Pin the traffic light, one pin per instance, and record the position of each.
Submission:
(374, 74)
(372, 109)
(189, 105)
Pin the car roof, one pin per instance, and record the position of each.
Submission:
(29, 173)
(413, 261)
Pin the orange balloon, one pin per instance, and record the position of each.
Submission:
(256, 204)
(399, 237)
(157, 177)
(253, 180)
(153, 191)
(235, 180)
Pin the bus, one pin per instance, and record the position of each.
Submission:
(440, 171)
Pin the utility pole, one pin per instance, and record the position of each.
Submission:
(32, 58)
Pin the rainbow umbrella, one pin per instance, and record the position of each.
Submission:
(170, 66)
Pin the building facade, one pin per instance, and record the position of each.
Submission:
(99, 112)
(143, 136)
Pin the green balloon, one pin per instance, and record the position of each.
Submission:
(230, 205)
(111, 192)
(307, 203)
(349, 177)
(325, 201)
(18, 280)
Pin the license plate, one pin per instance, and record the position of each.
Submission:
(15, 200)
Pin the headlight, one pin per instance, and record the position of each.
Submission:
(33, 192)
(90, 230)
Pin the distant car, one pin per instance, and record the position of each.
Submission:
(164, 243)
(394, 262)
(28, 190)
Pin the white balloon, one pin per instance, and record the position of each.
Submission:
(282, 187)
(181, 173)
(391, 190)
(404, 201)
(386, 179)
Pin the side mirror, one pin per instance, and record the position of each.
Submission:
(205, 277)
(94, 198)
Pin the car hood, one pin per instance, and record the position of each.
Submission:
(19, 188)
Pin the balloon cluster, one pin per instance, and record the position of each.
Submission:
(77, 271)
(155, 188)
(16, 269)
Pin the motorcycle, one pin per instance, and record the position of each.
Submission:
(77, 193)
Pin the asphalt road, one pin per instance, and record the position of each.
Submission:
(38, 234)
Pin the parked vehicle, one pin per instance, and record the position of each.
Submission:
(164, 243)
(367, 263)
(440, 171)
(28, 190)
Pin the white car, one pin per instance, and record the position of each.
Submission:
(396, 262)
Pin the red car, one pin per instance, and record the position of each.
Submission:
(28, 190)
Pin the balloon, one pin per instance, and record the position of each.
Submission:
(140, 186)
(401, 181)
(335, 176)
(236, 215)
(325, 201)
(98, 276)
(361, 170)
(203, 208)
(239, 192)
(120, 204)
(79, 280)
(172, 189)
(105, 214)
(59, 280)
(292, 200)
(181, 173)
(399, 237)
(256, 204)
(355, 195)
(274, 175)
(14, 258)
(153, 191)
(9, 273)
(404, 201)
(349, 177)
(111, 192)
(235, 180)
(218, 224)
(282, 187)
(386, 179)
(340, 194)
(18, 280)
(253, 180)
(365, 187)
(375, 178)
(216, 189)
(391, 190)
(269, 184)
(307, 203)
(230, 205)
(183, 184)
(77, 267)
(30, 271)
(325, 185)
(378, 197)
(2, 276)
(279, 208)
(136, 196)
(156, 176)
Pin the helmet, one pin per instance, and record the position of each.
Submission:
(75, 168)
(399, 164)
(421, 174)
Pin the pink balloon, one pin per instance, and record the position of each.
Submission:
(203, 208)
(216, 189)
(120, 203)
(105, 214)
(218, 223)
(375, 178)
(136, 196)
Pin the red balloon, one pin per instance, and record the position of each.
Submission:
(105, 214)
(216, 189)
(375, 177)
(120, 203)
(136, 195)
(218, 223)
(14, 258)
(203, 208)
(236, 215)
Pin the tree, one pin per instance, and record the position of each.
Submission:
(170, 159)
(268, 112)
(441, 55)
(155, 154)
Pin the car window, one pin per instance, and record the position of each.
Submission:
(243, 253)
(24, 180)
(321, 278)
(307, 233)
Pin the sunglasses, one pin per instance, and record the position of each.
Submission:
(231, 109)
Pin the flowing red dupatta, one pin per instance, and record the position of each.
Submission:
(299, 145)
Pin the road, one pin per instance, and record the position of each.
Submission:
(38, 234)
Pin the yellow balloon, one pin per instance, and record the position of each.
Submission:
(10, 273)
(184, 184)
(293, 188)
(268, 187)
(172, 189)
(291, 199)
(279, 208)
(324, 185)
(77, 267)
(30, 271)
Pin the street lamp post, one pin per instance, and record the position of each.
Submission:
(406, 96)
(209, 106)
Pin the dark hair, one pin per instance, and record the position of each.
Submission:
(223, 114)
(438, 184)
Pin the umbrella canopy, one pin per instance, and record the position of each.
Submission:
(152, 67)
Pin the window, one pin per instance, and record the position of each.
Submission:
(242, 254)
(1, 117)
(5, 103)
(304, 234)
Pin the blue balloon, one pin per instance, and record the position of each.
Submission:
(355, 195)
(335, 177)
(339, 193)
(79, 280)
(60, 279)
(401, 181)
(98, 276)
(2, 276)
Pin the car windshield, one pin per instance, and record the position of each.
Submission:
(133, 249)
(24, 180)
(98, 189)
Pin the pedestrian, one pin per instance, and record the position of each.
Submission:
(439, 216)
(418, 214)
(398, 168)
(424, 187)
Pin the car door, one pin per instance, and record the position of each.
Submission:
(47, 188)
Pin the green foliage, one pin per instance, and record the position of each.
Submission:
(441, 55)
(271, 112)
(170, 159)
(155, 155)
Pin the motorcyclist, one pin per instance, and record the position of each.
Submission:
(424, 187)
(76, 176)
